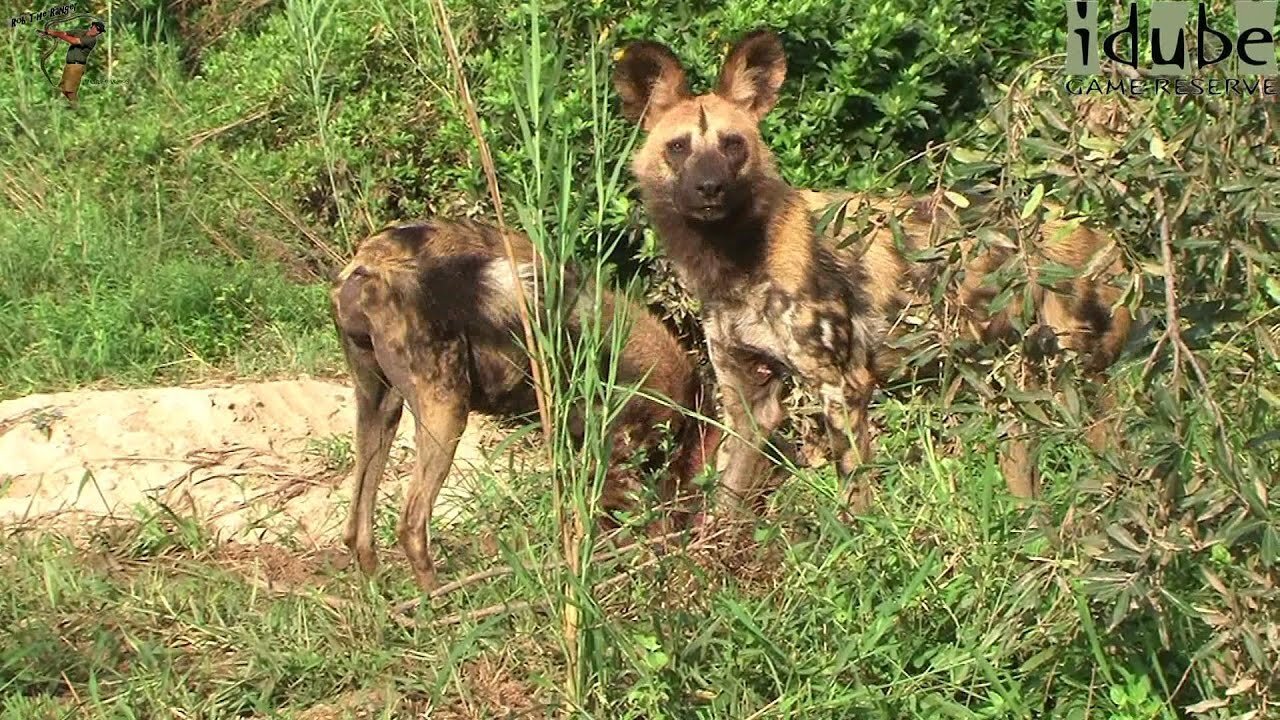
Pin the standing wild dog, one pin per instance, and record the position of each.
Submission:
(779, 299)
(427, 313)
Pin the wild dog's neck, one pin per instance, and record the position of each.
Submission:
(707, 254)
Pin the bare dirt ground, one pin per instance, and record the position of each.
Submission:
(253, 463)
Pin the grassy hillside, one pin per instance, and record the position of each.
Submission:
(181, 223)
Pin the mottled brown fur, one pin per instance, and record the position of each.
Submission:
(427, 313)
(777, 298)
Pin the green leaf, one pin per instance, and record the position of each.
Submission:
(1238, 186)
(1033, 202)
(657, 660)
(1120, 610)
(1122, 536)
(1268, 397)
(1272, 286)
(965, 155)
(994, 238)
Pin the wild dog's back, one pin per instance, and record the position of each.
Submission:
(459, 276)
(437, 278)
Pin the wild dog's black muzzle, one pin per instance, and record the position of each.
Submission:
(705, 181)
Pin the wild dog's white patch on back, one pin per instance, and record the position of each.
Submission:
(500, 303)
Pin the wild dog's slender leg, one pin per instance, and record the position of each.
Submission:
(378, 410)
(1017, 462)
(753, 411)
(773, 478)
(432, 369)
(441, 422)
(1105, 429)
(1018, 459)
(845, 407)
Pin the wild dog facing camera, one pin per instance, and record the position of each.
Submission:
(774, 290)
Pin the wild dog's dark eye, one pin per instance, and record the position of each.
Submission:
(733, 144)
(679, 146)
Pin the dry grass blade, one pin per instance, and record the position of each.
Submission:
(20, 194)
(485, 612)
(217, 238)
(196, 139)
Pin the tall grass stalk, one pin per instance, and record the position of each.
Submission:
(567, 329)
(313, 22)
(562, 208)
(532, 345)
(552, 204)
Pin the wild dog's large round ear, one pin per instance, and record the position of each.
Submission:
(648, 74)
(753, 72)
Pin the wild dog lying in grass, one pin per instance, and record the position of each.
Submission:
(427, 313)
(778, 299)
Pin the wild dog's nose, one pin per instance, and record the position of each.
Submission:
(710, 188)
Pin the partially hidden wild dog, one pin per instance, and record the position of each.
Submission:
(780, 299)
(427, 314)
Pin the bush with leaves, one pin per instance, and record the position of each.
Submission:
(1174, 537)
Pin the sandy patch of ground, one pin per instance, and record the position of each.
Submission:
(253, 462)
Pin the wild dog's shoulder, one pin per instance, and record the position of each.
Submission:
(790, 257)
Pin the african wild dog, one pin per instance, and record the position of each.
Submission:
(427, 313)
(778, 299)
(1081, 314)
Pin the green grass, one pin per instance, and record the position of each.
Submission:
(89, 294)
(941, 604)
